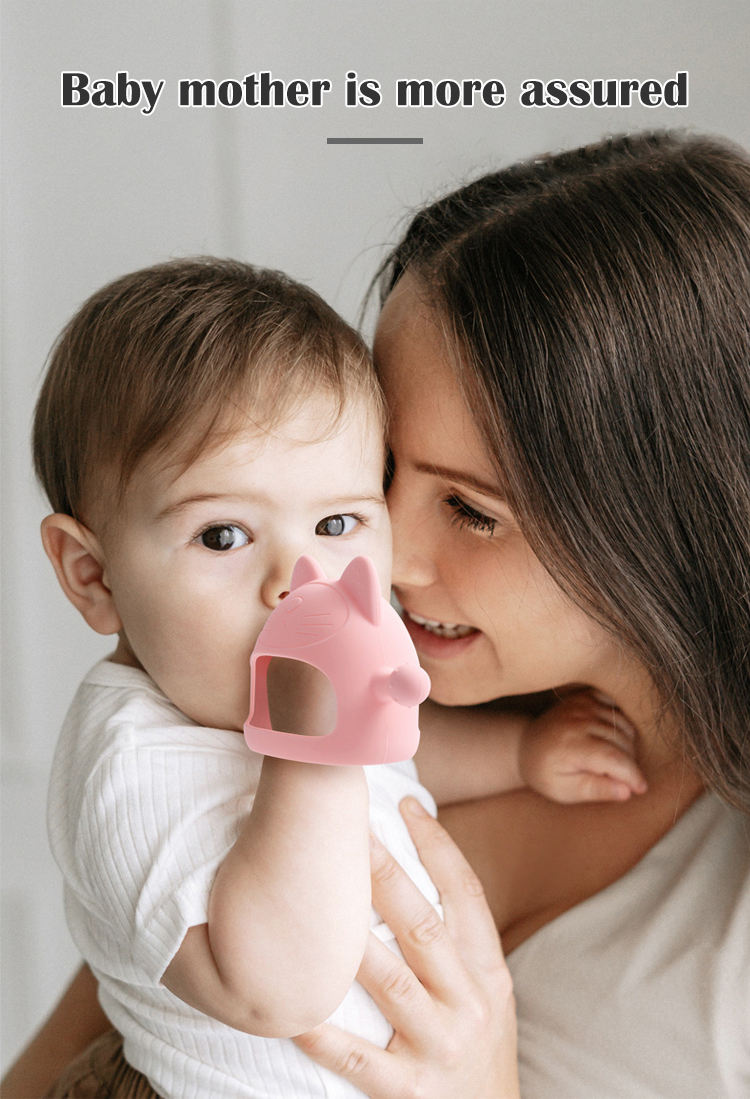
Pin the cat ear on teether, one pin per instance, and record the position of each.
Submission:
(305, 570)
(360, 580)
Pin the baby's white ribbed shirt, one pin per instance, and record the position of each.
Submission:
(143, 807)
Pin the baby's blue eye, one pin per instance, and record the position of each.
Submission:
(334, 525)
(224, 536)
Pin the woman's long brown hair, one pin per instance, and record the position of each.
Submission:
(598, 304)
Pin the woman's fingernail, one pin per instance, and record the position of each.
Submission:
(413, 807)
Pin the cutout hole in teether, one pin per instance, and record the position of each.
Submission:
(301, 699)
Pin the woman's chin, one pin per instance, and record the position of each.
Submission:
(461, 669)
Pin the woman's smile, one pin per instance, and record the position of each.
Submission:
(450, 630)
(439, 640)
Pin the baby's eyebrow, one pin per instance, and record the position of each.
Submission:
(198, 498)
(336, 503)
(350, 501)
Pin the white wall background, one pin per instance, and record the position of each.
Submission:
(90, 194)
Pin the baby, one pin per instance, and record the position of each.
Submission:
(203, 424)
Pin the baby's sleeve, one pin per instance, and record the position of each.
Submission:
(155, 824)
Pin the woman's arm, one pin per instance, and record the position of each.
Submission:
(75, 1022)
(450, 1001)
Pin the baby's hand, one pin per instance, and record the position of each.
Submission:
(581, 749)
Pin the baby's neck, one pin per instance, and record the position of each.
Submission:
(123, 654)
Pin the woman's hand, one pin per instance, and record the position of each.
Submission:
(450, 1002)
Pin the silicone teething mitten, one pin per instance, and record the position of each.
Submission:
(346, 630)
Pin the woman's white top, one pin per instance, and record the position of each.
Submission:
(643, 990)
(143, 807)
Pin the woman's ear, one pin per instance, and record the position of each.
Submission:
(78, 561)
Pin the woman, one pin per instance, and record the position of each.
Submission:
(565, 350)
(564, 346)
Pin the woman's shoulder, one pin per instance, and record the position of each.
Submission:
(648, 981)
(537, 859)
(694, 878)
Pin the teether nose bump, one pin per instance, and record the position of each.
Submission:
(408, 685)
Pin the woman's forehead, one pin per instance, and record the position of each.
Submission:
(408, 302)
(409, 344)
(431, 423)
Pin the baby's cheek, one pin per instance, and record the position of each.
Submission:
(225, 699)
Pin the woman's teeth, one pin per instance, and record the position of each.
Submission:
(442, 629)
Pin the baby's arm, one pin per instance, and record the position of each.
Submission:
(290, 906)
(580, 749)
(289, 910)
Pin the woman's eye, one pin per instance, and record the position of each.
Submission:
(224, 536)
(334, 525)
(466, 516)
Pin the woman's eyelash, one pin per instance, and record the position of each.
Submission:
(466, 516)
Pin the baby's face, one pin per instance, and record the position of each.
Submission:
(197, 559)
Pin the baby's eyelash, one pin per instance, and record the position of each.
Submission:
(463, 515)
(359, 520)
(219, 541)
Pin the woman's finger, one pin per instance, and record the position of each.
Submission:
(374, 1071)
(467, 914)
(419, 930)
(395, 988)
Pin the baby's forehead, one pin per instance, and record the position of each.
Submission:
(311, 416)
(344, 441)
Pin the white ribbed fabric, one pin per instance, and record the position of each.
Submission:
(144, 806)
(643, 991)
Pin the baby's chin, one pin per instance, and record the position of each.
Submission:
(216, 717)
(214, 710)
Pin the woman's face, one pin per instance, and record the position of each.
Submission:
(486, 617)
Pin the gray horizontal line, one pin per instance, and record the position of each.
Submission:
(374, 140)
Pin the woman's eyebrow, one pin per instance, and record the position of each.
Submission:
(485, 487)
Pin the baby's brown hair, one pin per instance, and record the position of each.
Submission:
(174, 350)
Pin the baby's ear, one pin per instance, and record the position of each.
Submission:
(78, 561)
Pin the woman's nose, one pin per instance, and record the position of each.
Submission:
(414, 562)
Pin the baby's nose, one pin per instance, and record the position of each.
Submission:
(275, 587)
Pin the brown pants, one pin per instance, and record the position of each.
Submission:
(101, 1072)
